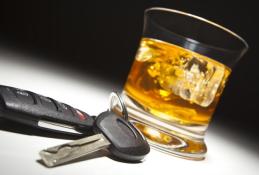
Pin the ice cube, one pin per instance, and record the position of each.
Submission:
(200, 82)
(193, 79)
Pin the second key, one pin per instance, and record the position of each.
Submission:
(121, 138)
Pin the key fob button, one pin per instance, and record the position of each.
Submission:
(22, 93)
(64, 106)
(61, 107)
(24, 97)
(47, 103)
(45, 99)
(80, 115)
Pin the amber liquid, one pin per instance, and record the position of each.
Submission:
(174, 84)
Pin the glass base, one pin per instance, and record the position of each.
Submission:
(171, 143)
(172, 138)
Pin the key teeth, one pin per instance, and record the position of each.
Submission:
(43, 154)
(64, 153)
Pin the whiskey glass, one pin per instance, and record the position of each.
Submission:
(176, 80)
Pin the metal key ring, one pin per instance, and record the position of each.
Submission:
(112, 98)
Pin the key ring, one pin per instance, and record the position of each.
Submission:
(113, 101)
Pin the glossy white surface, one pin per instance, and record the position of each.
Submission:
(227, 154)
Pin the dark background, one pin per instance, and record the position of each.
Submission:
(100, 38)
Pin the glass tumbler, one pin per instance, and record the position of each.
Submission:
(177, 78)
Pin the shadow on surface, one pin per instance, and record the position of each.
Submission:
(241, 133)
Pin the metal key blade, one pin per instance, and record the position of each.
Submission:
(67, 152)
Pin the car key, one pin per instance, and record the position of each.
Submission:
(121, 138)
(42, 112)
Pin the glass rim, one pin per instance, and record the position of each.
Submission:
(235, 35)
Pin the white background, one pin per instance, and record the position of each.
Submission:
(228, 153)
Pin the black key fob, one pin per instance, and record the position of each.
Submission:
(43, 112)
